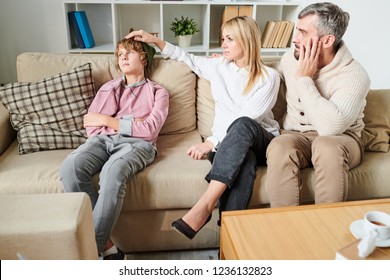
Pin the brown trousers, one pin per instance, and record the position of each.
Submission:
(331, 156)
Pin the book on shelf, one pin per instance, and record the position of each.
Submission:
(84, 28)
(279, 35)
(275, 31)
(230, 12)
(268, 29)
(75, 31)
(286, 38)
(245, 11)
(351, 252)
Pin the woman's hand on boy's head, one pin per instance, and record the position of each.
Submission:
(143, 36)
(140, 35)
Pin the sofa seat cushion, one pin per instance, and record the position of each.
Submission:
(31, 173)
(370, 179)
(173, 180)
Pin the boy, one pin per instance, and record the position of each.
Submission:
(122, 124)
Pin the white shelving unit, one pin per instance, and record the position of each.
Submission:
(111, 20)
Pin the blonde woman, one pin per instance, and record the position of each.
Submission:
(244, 90)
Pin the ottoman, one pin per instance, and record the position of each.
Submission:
(47, 226)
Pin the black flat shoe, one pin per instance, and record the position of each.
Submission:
(183, 228)
(117, 256)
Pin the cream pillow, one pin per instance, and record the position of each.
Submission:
(205, 106)
(376, 133)
(180, 82)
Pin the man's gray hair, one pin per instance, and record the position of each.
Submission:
(331, 19)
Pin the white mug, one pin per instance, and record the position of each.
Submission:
(379, 222)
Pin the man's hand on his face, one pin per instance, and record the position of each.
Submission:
(309, 56)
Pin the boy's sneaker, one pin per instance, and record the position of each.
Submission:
(117, 256)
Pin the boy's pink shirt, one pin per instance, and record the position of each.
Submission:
(148, 101)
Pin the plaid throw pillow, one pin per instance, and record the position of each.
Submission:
(48, 114)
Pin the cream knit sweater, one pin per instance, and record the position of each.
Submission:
(331, 104)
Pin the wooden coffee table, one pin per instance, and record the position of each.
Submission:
(300, 232)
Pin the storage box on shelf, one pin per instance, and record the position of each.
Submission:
(110, 20)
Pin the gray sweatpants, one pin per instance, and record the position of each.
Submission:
(117, 158)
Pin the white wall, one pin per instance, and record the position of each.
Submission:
(38, 25)
(29, 25)
(368, 37)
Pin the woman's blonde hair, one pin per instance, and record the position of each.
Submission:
(246, 32)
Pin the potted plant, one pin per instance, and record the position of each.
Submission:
(184, 28)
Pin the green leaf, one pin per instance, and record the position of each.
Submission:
(184, 26)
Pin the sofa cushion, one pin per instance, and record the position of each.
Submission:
(31, 173)
(49, 64)
(376, 133)
(49, 114)
(205, 106)
(180, 82)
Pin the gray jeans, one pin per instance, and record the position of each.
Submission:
(117, 158)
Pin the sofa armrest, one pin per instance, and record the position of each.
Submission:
(7, 133)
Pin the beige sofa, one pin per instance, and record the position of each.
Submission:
(166, 189)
